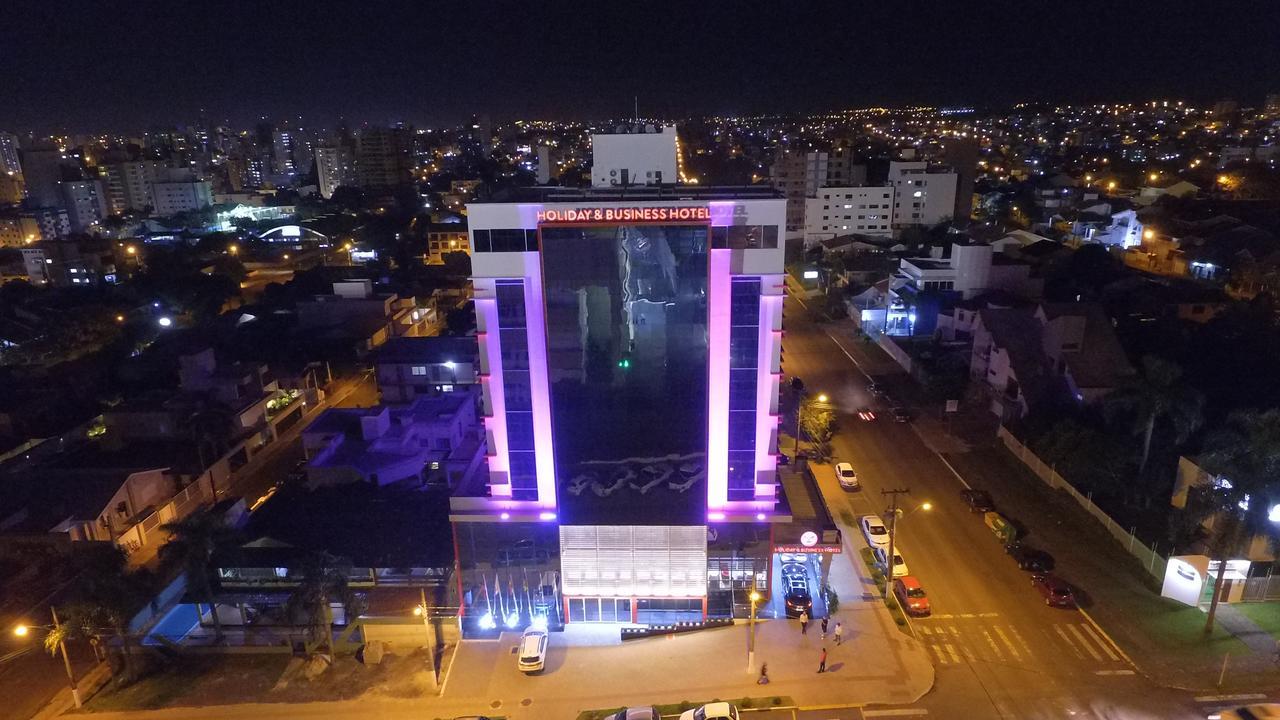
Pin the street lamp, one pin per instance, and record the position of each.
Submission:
(420, 610)
(56, 627)
(751, 646)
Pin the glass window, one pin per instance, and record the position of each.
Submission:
(482, 241)
(742, 430)
(520, 430)
(508, 240)
(742, 389)
(510, 297)
(744, 343)
(626, 310)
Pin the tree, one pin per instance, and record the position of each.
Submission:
(1243, 457)
(323, 579)
(1156, 394)
(105, 595)
(818, 423)
(193, 540)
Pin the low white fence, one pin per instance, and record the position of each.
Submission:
(1148, 557)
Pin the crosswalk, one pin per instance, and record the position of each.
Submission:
(955, 641)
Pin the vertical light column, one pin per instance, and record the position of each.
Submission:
(539, 380)
(718, 310)
(766, 385)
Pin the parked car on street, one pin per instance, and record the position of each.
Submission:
(978, 500)
(881, 556)
(1029, 558)
(911, 595)
(532, 654)
(636, 713)
(1259, 711)
(866, 414)
(900, 414)
(712, 711)
(874, 531)
(1055, 591)
(847, 477)
(1000, 526)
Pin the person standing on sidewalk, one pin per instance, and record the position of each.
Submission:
(822, 661)
(839, 632)
(804, 622)
(825, 620)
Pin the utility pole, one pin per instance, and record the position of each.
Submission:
(423, 610)
(66, 661)
(893, 528)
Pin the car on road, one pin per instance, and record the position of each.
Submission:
(636, 713)
(874, 531)
(979, 501)
(1259, 711)
(866, 414)
(712, 711)
(875, 390)
(847, 477)
(1029, 558)
(1000, 526)
(881, 556)
(796, 595)
(532, 653)
(900, 414)
(1055, 591)
(911, 595)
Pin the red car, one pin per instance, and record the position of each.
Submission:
(911, 595)
(1055, 591)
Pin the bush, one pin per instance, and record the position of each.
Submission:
(744, 702)
(833, 601)
(777, 701)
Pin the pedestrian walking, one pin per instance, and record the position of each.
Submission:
(825, 620)
(804, 622)
(822, 662)
(839, 632)
(764, 674)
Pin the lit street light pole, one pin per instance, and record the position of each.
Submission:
(751, 646)
(893, 526)
(23, 630)
(421, 610)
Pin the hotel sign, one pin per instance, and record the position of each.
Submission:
(828, 549)
(691, 213)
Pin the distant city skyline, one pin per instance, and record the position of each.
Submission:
(118, 68)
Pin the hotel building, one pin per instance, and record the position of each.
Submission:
(629, 353)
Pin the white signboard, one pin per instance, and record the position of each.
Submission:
(953, 406)
(1184, 578)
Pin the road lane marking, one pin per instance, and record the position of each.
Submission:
(959, 477)
(895, 712)
(1058, 629)
(1075, 630)
(1101, 643)
(994, 648)
(1005, 638)
(1018, 636)
(939, 657)
(951, 650)
(1229, 698)
(1113, 672)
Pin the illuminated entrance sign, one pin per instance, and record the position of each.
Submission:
(829, 549)
(626, 214)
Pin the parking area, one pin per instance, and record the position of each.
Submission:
(787, 568)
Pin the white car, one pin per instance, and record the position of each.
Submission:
(532, 655)
(899, 565)
(847, 477)
(874, 531)
(711, 711)
(1262, 711)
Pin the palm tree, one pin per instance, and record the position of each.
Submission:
(1244, 459)
(1156, 394)
(192, 542)
(106, 595)
(323, 578)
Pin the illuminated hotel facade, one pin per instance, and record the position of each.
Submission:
(630, 350)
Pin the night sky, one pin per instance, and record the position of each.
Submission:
(114, 65)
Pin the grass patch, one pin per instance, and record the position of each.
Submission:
(1266, 615)
(744, 703)
(195, 680)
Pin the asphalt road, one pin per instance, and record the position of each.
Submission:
(998, 650)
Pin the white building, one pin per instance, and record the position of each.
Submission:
(646, 155)
(84, 202)
(838, 211)
(335, 167)
(128, 186)
(799, 176)
(178, 191)
(1125, 230)
(925, 195)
